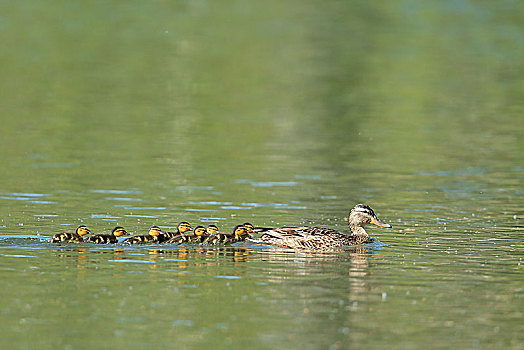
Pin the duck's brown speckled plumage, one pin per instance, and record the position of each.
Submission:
(318, 238)
(76, 236)
(108, 238)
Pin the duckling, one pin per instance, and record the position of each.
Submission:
(249, 227)
(181, 230)
(252, 229)
(71, 236)
(199, 235)
(211, 230)
(318, 238)
(152, 236)
(240, 233)
(110, 238)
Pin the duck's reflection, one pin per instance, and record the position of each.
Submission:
(202, 256)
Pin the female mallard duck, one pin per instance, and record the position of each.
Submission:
(199, 235)
(240, 233)
(181, 229)
(152, 236)
(317, 238)
(71, 236)
(110, 238)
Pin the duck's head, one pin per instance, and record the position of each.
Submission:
(249, 227)
(119, 231)
(83, 230)
(239, 230)
(362, 215)
(212, 229)
(154, 231)
(184, 227)
(200, 231)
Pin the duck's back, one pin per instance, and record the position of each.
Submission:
(102, 239)
(305, 237)
(66, 237)
(140, 239)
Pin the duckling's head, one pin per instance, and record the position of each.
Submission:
(154, 231)
(249, 227)
(83, 230)
(119, 231)
(239, 230)
(184, 227)
(362, 215)
(200, 231)
(212, 229)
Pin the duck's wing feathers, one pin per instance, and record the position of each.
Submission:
(302, 231)
(66, 237)
(303, 237)
(102, 239)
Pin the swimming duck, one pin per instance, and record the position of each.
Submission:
(181, 230)
(240, 233)
(211, 230)
(318, 238)
(71, 236)
(110, 238)
(249, 227)
(199, 235)
(152, 236)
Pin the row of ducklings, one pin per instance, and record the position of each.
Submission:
(184, 233)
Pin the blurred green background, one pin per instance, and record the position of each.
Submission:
(138, 113)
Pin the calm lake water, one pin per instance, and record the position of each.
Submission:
(277, 113)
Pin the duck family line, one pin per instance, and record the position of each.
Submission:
(300, 237)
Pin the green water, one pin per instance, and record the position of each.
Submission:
(278, 113)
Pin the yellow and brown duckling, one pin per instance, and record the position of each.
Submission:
(152, 236)
(118, 231)
(249, 227)
(318, 238)
(240, 233)
(182, 229)
(198, 235)
(211, 230)
(76, 236)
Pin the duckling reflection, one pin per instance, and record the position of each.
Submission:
(210, 255)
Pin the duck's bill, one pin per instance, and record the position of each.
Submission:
(380, 223)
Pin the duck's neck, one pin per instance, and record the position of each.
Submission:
(359, 233)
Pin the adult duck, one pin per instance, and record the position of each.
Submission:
(318, 238)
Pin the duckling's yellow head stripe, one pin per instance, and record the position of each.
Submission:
(154, 231)
(83, 230)
(200, 231)
(240, 230)
(184, 227)
(212, 229)
(120, 232)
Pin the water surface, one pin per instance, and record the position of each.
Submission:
(275, 113)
